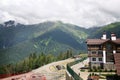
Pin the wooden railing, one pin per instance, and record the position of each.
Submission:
(95, 55)
(94, 48)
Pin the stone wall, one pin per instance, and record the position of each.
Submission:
(107, 66)
(68, 76)
(95, 65)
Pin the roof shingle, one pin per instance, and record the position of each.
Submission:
(96, 41)
(117, 41)
(101, 41)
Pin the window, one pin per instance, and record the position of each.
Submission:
(93, 59)
(100, 47)
(100, 59)
(100, 52)
(93, 52)
(109, 46)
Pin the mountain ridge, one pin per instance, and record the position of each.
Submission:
(47, 37)
(19, 41)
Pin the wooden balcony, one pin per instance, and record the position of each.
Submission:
(94, 48)
(118, 51)
(95, 55)
(118, 48)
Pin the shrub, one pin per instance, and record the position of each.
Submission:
(95, 70)
(95, 74)
(92, 74)
(110, 70)
(82, 70)
(105, 70)
(100, 70)
(99, 67)
(89, 70)
(94, 67)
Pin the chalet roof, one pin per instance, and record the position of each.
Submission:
(117, 62)
(96, 41)
(117, 41)
(101, 41)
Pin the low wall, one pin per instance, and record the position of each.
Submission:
(70, 74)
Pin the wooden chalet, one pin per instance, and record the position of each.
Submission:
(104, 53)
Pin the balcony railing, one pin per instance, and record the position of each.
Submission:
(95, 52)
(118, 48)
(94, 48)
(95, 55)
(118, 51)
(71, 71)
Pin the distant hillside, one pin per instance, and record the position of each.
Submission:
(113, 27)
(18, 40)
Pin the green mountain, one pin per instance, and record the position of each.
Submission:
(18, 40)
(113, 27)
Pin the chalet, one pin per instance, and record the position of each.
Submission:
(104, 53)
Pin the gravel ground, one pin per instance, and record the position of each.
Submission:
(77, 67)
(46, 72)
(51, 72)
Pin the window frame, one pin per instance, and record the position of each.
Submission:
(93, 59)
(100, 58)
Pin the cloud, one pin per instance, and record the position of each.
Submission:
(86, 13)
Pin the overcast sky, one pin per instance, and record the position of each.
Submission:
(86, 13)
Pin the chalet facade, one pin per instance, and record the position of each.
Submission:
(104, 52)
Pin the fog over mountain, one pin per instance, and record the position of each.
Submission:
(85, 13)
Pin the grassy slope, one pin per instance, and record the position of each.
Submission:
(48, 37)
(113, 27)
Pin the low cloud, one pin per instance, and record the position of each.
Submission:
(85, 13)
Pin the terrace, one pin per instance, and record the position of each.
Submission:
(79, 70)
(73, 69)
